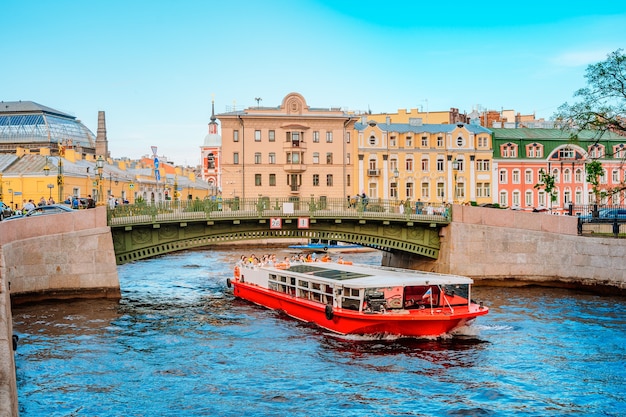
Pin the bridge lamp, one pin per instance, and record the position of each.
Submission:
(99, 169)
(455, 168)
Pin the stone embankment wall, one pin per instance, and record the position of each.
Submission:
(507, 247)
(57, 256)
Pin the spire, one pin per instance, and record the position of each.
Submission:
(213, 123)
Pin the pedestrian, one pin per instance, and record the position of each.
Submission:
(42, 202)
(30, 204)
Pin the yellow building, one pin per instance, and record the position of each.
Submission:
(436, 163)
(291, 150)
(427, 117)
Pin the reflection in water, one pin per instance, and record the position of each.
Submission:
(179, 344)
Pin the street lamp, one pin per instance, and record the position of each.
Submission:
(396, 174)
(99, 169)
(455, 168)
(46, 170)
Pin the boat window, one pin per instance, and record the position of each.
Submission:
(303, 283)
(419, 296)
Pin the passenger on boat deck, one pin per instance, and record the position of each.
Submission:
(340, 260)
(326, 258)
(286, 261)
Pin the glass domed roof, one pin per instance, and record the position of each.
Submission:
(31, 125)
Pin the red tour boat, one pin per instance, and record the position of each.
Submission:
(359, 299)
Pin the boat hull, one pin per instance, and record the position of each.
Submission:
(407, 323)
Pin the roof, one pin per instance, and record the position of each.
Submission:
(365, 276)
(423, 128)
(29, 107)
(551, 134)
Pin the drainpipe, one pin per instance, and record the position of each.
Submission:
(243, 158)
(343, 163)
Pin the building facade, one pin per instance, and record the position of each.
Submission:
(290, 150)
(436, 163)
(521, 154)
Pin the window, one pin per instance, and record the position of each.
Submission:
(541, 198)
(271, 158)
(372, 140)
(534, 150)
(348, 158)
(503, 176)
(567, 197)
(425, 141)
(459, 191)
(483, 142)
(257, 157)
(439, 141)
(272, 180)
(425, 164)
(329, 137)
(603, 177)
(440, 164)
(372, 189)
(316, 136)
(329, 180)
(460, 164)
(348, 180)
(619, 151)
(483, 189)
(567, 175)
(515, 176)
(409, 165)
(293, 158)
(482, 165)
(578, 176)
(596, 151)
(409, 141)
(316, 180)
(329, 158)
(441, 194)
(257, 136)
(393, 164)
(504, 199)
(409, 190)
(579, 196)
(528, 176)
(257, 180)
(392, 141)
(425, 190)
(460, 142)
(393, 190)
(347, 137)
(316, 157)
(516, 199)
(235, 136)
(210, 161)
(555, 174)
(615, 177)
(294, 138)
(236, 158)
(508, 150)
(271, 136)
(528, 198)
(372, 164)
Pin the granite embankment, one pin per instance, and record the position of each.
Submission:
(61, 256)
(508, 247)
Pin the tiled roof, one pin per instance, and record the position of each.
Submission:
(423, 128)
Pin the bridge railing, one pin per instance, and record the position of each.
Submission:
(314, 207)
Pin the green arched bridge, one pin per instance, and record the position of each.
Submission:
(145, 230)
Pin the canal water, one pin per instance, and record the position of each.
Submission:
(178, 344)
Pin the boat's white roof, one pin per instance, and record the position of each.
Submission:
(366, 276)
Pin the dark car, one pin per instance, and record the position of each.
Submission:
(43, 210)
(5, 211)
(605, 215)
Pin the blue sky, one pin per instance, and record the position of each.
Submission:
(154, 66)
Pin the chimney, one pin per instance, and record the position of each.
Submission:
(102, 145)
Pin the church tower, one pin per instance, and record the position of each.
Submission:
(211, 155)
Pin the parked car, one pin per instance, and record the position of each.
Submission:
(605, 215)
(5, 211)
(43, 210)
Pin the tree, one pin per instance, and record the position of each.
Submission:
(602, 108)
(548, 183)
(602, 105)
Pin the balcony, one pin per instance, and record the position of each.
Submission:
(295, 189)
(294, 168)
(294, 145)
(373, 172)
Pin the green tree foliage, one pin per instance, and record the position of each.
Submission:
(548, 183)
(602, 105)
(594, 173)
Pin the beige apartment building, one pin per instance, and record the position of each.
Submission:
(436, 163)
(292, 150)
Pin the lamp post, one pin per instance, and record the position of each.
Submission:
(99, 169)
(455, 168)
(60, 178)
(11, 191)
(396, 174)
(46, 170)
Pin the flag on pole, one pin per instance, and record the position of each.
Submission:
(427, 294)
